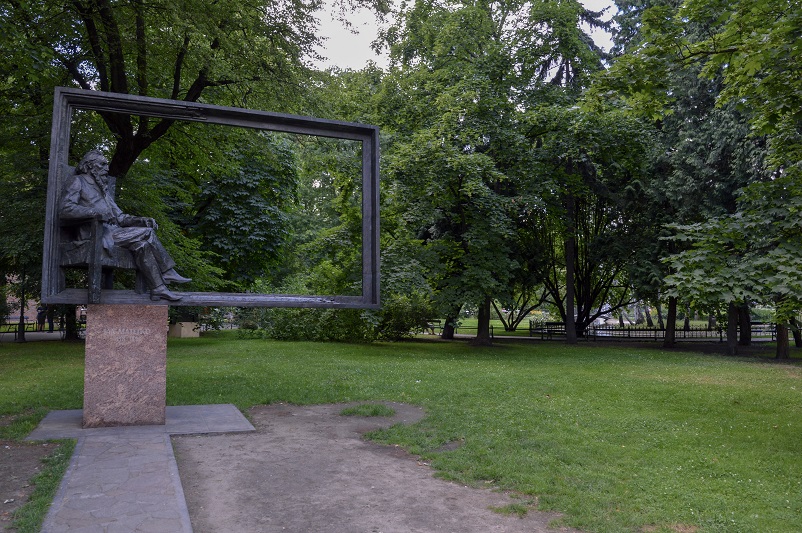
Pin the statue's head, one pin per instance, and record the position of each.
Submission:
(94, 163)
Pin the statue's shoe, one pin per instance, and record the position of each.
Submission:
(171, 276)
(163, 293)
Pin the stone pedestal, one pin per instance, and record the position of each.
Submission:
(125, 381)
(183, 330)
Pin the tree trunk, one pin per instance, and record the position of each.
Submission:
(670, 338)
(483, 325)
(70, 323)
(508, 321)
(621, 319)
(797, 333)
(21, 324)
(711, 322)
(649, 321)
(639, 318)
(745, 323)
(783, 348)
(570, 258)
(687, 324)
(448, 328)
(732, 329)
(660, 323)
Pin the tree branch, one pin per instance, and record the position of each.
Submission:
(141, 49)
(118, 79)
(72, 68)
(93, 36)
(179, 66)
(141, 61)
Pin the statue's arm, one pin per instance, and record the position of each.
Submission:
(125, 220)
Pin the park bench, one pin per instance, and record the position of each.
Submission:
(12, 328)
(433, 326)
(88, 253)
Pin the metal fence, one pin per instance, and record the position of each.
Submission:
(551, 330)
(548, 330)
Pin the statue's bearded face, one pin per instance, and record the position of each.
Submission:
(100, 167)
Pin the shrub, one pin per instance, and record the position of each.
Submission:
(289, 324)
(402, 315)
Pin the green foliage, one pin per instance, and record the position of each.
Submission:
(760, 66)
(444, 162)
(723, 99)
(751, 256)
(484, 143)
(227, 53)
(323, 252)
(320, 325)
(402, 315)
(751, 252)
(240, 212)
(595, 163)
(24, 138)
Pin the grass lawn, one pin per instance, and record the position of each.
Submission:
(618, 439)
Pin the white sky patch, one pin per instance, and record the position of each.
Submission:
(352, 51)
(345, 49)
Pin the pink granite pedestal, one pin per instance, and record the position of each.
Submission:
(125, 381)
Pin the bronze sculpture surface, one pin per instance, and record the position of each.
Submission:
(86, 195)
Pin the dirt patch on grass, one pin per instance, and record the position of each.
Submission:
(19, 462)
(309, 469)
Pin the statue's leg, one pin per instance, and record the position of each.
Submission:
(146, 263)
(165, 261)
(148, 251)
(150, 257)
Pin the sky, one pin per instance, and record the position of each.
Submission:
(347, 50)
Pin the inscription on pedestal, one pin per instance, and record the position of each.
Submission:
(125, 380)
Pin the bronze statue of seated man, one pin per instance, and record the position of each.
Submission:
(86, 195)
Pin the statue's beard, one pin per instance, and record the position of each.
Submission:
(102, 182)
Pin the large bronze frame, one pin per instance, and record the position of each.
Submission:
(67, 100)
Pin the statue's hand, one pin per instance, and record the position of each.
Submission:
(103, 216)
(150, 223)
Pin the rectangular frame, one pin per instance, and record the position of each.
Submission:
(68, 100)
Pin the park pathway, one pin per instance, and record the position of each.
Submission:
(125, 479)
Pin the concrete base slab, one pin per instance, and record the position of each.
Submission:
(181, 420)
(118, 483)
(126, 478)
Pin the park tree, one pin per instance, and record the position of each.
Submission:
(706, 150)
(24, 144)
(760, 72)
(708, 153)
(228, 53)
(222, 194)
(449, 108)
(459, 156)
(595, 210)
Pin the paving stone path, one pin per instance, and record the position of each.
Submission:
(125, 479)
